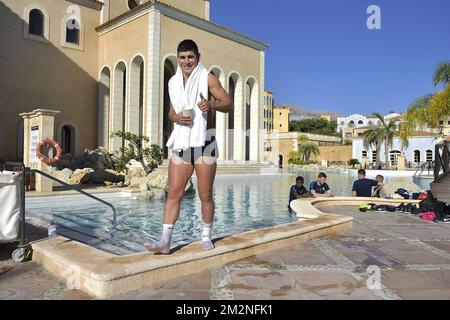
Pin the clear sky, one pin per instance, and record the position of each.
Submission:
(323, 56)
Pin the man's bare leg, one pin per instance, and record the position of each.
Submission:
(205, 169)
(179, 174)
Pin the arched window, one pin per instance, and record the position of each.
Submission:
(429, 156)
(370, 123)
(417, 156)
(342, 123)
(36, 23)
(351, 123)
(374, 156)
(133, 4)
(72, 31)
(360, 122)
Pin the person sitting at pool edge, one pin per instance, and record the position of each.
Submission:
(320, 188)
(298, 191)
(363, 186)
(376, 191)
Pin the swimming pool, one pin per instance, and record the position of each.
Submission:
(242, 203)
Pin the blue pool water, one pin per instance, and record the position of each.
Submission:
(242, 203)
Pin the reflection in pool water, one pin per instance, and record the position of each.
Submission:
(242, 203)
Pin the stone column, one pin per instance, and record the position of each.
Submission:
(365, 162)
(153, 131)
(38, 125)
(401, 162)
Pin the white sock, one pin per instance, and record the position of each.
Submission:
(163, 245)
(206, 237)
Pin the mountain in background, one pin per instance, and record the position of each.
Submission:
(299, 113)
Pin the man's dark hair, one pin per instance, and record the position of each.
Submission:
(188, 45)
(322, 175)
(362, 172)
(299, 178)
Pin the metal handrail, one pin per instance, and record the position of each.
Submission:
(80, 191)
(428, 164)
(421, 167)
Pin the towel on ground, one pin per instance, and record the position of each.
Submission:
(184, 137)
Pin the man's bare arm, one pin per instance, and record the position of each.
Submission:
(299, 196)
(221, 101)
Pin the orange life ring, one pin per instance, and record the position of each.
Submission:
(46, 159)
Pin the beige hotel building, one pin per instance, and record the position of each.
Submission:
(105, 66)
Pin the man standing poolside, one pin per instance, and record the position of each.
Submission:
(198, 93)
(363, 186)
(298, 191)
(320, 188)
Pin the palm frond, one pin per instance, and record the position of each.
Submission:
(442, 73)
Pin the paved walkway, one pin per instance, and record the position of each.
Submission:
(412, 258)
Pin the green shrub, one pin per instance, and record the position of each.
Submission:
(149, 157)
(353, 162)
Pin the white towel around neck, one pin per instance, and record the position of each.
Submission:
(184, 137)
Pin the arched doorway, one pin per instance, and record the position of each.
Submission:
(170, 65)
(119, 104)
(136, 109)
(67, 142)
(248, 96)
(230, 118)
(280, 161)
(393, 157)
(104, 94)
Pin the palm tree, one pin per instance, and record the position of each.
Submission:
(430, 109)
(307, 149)
(415, 117)
(442, 73)
(382, 133)
(373, 138)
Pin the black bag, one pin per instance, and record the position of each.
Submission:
(404, 193)
(385, 207)
(434, 205)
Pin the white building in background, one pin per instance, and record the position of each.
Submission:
(420, 149)
(359, 120)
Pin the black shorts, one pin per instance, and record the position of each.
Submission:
(191, 155)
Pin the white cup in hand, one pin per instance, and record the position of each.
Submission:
(187, 111)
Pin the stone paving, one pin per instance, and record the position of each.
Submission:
(410, 257)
